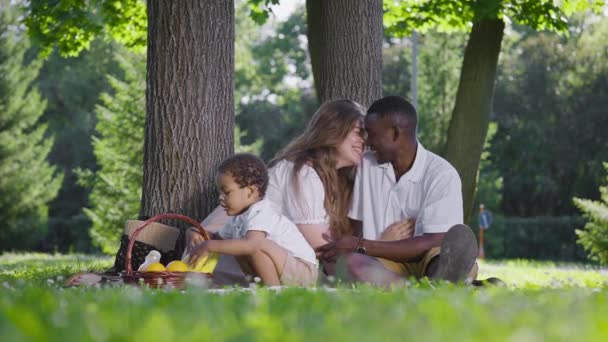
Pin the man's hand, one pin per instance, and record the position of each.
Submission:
(330, 251)
(198, 252)
(399, 230)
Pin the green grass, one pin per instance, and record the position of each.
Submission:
(543, 301)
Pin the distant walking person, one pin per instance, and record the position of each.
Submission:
(484, 220)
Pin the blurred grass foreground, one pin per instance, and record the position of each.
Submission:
(543, 301)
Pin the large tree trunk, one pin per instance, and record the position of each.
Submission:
(189, 104)
(345, 44)
(470, 117)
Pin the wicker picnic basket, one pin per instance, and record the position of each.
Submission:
(160, 279)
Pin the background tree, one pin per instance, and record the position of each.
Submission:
(71, 87)
(189, 104)
(27, 181)
(470, 117)
(345, 44)
(116, 186)
(439, 55)
(551, 118)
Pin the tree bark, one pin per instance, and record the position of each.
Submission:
(189, 104)
(469, 123)
(345, 45)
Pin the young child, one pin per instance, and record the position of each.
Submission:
(266, 243)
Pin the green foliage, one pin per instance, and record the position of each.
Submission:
(439, 63)
(543, 302)
(490, 182)
(273, 80)
(259, 10)
(27, 181)
(439, 59)
(550, 107)
(116, 186)
(72, 33)
(401, 17)
(71, 88)
(71, 25)
(447, 15)
(594, 237)
(239, 147)
(537, 238)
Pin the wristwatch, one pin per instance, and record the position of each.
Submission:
(360, 249)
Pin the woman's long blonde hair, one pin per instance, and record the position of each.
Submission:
(317, 146)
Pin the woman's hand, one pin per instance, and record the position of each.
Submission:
(330, 251)
(315, 234)
(399, 230)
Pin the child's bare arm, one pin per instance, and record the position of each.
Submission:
(246, 246)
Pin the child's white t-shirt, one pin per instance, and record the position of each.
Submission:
(262, 216)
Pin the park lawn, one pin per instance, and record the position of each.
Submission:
(544, 301)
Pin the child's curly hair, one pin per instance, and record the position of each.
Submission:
(246, 169)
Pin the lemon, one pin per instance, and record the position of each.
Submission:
(177, 266)
(156, 267)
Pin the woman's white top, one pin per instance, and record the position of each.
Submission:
(262, 216)
(302, 204)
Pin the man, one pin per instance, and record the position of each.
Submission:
(484, 221)
(397, 182)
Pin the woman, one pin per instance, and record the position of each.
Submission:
(311, 179)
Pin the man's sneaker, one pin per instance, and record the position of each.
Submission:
(492, 281)
(458, 254)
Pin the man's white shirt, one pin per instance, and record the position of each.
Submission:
(430, 193)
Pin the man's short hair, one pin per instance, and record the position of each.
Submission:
(398, 110)
(247, 170)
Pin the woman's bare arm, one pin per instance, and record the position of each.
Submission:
(315, 234)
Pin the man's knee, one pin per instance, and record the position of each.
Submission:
(460, 225)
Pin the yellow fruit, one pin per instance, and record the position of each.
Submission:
(156, 267)
(177, 266)
(211, 262)
(206, 264)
